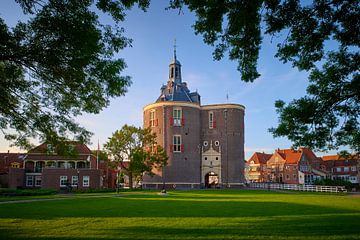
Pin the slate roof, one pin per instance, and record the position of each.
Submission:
(177, 92)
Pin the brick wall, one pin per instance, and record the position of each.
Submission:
(51, 177)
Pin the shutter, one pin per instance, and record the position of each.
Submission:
(182, 147)
(156, 122)
(182, 122)
(171, 121)
(171, 148)
(214, 124)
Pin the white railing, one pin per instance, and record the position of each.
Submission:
(299, 187)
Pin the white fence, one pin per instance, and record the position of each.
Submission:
(299, 187)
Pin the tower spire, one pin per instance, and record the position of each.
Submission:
(175, 49)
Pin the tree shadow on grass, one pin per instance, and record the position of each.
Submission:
(335, 226)
(112, 207)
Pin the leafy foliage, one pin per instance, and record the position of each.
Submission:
(130, 147)
(320, 36)
(58, 65)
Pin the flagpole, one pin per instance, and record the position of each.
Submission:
(97, 156)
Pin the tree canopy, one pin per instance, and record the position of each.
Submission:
(135, 150)
(319, 36)
(59, 64)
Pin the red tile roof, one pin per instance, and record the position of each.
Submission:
(260, 158)
(79, 147)
(293, 156)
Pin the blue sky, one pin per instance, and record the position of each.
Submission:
(153, 34)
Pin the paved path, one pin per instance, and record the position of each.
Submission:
(62, 197)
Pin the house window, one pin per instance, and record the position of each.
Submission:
(50, 148)
(346, 169)
(211, 120)
(152, 118)
(295, 177)
(338, 169)
(295, 167)
(205, 143)
(353, 168)
(74, 180)
(86, 181)
(177, 115)
(287, 177)
(15, 165)
(217, 143)
(63, 181)
(177, 143)
(29, 181)
(37, 181)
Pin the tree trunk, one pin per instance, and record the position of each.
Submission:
(130, 180)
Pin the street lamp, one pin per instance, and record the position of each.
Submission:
(77, 184)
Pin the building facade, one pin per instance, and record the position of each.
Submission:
(290, 166)
(205, 143)
(343, 168)
(44, 167)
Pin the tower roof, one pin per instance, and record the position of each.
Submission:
(175, 89)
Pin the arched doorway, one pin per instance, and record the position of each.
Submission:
(211, 180)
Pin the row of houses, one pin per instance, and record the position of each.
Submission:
(300, 166)
(44, 167)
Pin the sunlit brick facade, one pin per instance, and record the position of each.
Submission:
(205, 143)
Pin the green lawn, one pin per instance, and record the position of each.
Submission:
(217, 214)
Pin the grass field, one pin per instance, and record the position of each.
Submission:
(217, 214)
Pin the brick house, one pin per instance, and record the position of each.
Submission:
(257, 167)
(291, 166)
(205, 143)
(343, 168)
(42, 167)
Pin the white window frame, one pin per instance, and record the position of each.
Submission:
(353, 168)
(338, 169)
(211, 120)
(36, 179)
(63, 181)
(152, 118)
(177, 115)
(346, 169)
(74, 181)
(31, 178)
(177, 143)
(86, 181)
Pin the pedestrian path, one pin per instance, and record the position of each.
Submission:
(61, 197)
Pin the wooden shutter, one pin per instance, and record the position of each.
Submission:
(171, 148)
(182, 122)
(182, 147)
(171, 121)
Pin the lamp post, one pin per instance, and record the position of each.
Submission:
(77, 184)
(227, 149)
(163, 178)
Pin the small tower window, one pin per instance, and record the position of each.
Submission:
(176, 72)
(211, 120)
(171, 72)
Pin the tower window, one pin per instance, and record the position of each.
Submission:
(177, 114)
(176, 72)
(177, 143)
(212, 123)
(171, 72)
(152, 119)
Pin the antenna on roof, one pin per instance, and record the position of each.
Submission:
(227, 97)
